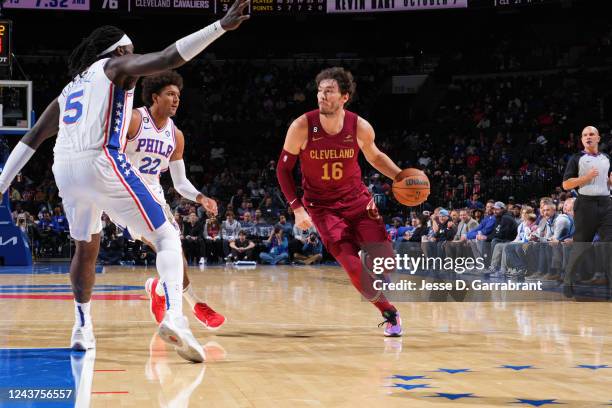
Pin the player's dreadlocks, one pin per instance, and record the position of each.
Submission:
(343, 77)
(155, 83)
(86, 53)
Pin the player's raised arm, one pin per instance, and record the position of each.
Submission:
(179, 177)
(177, 54)
(379, 160)
(46, 127)
(296, 139)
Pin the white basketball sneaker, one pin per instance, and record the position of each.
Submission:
(82, 338)
(174, 330)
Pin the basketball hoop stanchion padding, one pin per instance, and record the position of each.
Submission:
(14, 245)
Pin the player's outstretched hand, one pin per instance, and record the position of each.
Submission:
(209, 205)
(234, 16)
(302, 219)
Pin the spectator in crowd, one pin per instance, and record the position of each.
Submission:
(551, 228)
(277, 248)
(311, 252)
(242, 248)
(300, 237)
(111, 246)
(441, 233)
(474, 203)
(393, 229)
(499, 259)
(478, 236)
(193, 239)
(285, 225)
(229, 231)
(458, 246)
(247, 225)
(48, 237)
(503, 231)
(421, 229)
(268, 210)
(212, 235)
(263, 229)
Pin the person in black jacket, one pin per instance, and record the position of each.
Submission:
(504, 229)
(443, 230)
(193, 234)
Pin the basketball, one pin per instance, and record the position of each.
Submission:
(411, 187)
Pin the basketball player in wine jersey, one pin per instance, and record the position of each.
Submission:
(155, 145)
(327, 142)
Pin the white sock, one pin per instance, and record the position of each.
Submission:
(190, 296)
(169, 263)
(159, 289)
(82, 315)
(170, 268)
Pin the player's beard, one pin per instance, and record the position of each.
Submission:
(329, 111)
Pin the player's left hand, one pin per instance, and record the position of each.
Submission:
(209, 204)
(234, 17)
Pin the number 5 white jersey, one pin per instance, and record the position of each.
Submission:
(150, 150)
(94, 114)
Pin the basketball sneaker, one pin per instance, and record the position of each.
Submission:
(393, 323)
(157, 303)
(82, 338)
(208, 317)
(174, 330)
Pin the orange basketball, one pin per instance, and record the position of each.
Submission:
(411, 187)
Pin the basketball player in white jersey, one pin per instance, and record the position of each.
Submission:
(91, 117)
(155, 145)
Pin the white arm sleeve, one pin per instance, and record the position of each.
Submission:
(179, 179)
(190, 46)
(15, 162)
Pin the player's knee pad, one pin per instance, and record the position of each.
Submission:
(166, 238)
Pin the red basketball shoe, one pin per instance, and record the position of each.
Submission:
(208, 317)
(158, 303)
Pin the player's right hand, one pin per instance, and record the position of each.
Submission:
(234, 17)
(209, 205)
(302, 219)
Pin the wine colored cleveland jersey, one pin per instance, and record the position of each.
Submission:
(330, 169)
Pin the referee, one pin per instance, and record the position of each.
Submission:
(589, 171)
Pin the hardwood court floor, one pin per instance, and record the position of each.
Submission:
(301, 337)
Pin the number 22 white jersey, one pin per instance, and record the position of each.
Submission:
(150, 150)
(94, 114)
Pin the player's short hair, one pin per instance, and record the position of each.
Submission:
(343, 77)
(88, 50)
(155, 83)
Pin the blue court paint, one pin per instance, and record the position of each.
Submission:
(593, 367)
(41, 269)
(409, 387)
(453, 370)
(64, 288)
(409, 377)
(452, 397)
(518, 368)
(40, 369)
(536, 403)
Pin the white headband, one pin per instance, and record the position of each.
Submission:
(125, 40)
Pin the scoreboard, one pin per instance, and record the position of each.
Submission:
(201, 7)
(263, 7)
